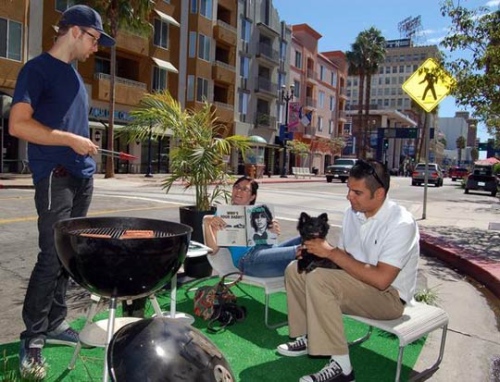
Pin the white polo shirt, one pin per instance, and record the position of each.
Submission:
(391, 236)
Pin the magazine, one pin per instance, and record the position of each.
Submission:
(246, 225)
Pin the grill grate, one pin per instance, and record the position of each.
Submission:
(115, 233)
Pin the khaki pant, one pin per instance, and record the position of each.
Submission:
(317, 300)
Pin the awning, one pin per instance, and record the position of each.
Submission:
(102, 125)
(166, 18)
(165, 65)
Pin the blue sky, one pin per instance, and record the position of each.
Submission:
(340, 21)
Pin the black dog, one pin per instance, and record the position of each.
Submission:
(311, 228)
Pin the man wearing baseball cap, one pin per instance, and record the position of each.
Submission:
(50, 110)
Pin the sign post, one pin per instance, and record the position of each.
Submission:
(428, 86)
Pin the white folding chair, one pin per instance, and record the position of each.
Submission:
(418, 320)
(222, 263)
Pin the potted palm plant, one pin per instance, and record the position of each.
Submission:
(198, 159)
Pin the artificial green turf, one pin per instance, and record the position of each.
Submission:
(248, 346)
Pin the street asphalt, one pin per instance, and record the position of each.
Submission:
(460, 263)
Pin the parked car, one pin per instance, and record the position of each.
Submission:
(435, 175)
(482, 179)
(339, 169)
(457, 173)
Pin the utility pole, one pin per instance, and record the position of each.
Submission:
(287, 96)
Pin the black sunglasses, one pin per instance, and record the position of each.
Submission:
(368, 169)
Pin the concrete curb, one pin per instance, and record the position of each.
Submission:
(483, 270)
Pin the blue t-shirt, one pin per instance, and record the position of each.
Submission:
(57, 94)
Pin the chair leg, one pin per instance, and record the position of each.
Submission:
(364, 338)
(400, 362)
(266, 316)
(439, 359)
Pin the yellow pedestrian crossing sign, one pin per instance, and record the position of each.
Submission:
(429, 84)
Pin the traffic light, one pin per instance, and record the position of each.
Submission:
(386, 143)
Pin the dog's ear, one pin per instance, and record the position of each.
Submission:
(324, 217)
(304, 216)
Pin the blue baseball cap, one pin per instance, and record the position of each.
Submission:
(84, 16)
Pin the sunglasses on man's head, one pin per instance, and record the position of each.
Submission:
(368, 169)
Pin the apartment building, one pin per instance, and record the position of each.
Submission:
(317, 111)
(390, 106)
(232, 53)
(143, 64)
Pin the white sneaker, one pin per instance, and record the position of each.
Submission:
(295, 348)
(332, 372)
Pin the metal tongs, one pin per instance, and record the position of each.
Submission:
(120, 154)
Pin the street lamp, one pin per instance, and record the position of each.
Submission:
(149, 173)
(287, 96)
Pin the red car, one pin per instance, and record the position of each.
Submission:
(457, 173)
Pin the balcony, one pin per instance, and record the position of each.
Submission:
(225, 32)
(223, 72)
(343, 116)
(311, 102)
(311, 74)
(132, 43)
(309, 131)
(266, 51)
(225, 111)
(343, 92)
(265, 120)
(127, 92)
(263, 84)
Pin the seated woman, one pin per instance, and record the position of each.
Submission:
(260, 260)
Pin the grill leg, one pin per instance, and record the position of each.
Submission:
(94, 301)
(111, 328)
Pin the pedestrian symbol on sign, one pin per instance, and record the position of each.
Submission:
(430, 78)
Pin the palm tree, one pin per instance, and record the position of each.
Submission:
(460, 145)
(375, 56)
(130, 16)
(368, 52)
(356, 67)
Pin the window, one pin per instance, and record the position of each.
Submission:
(243, 104)
(330, 127)
(194, 6)
(190, 88)
(298, 60)
(161, 33)
(332, 103)
(11, 40)
(283, 46)
(159, 79)
(321, 99)
(320, 123)
(204, 47)
(245, 66)
(192, 44)
(201, 89)
(102, 65)
(296, 89)
(333, 80)
(322, 72)
(245, 30)
(206, 8)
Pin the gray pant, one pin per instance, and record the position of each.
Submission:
(317, 300)
(44, 308)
